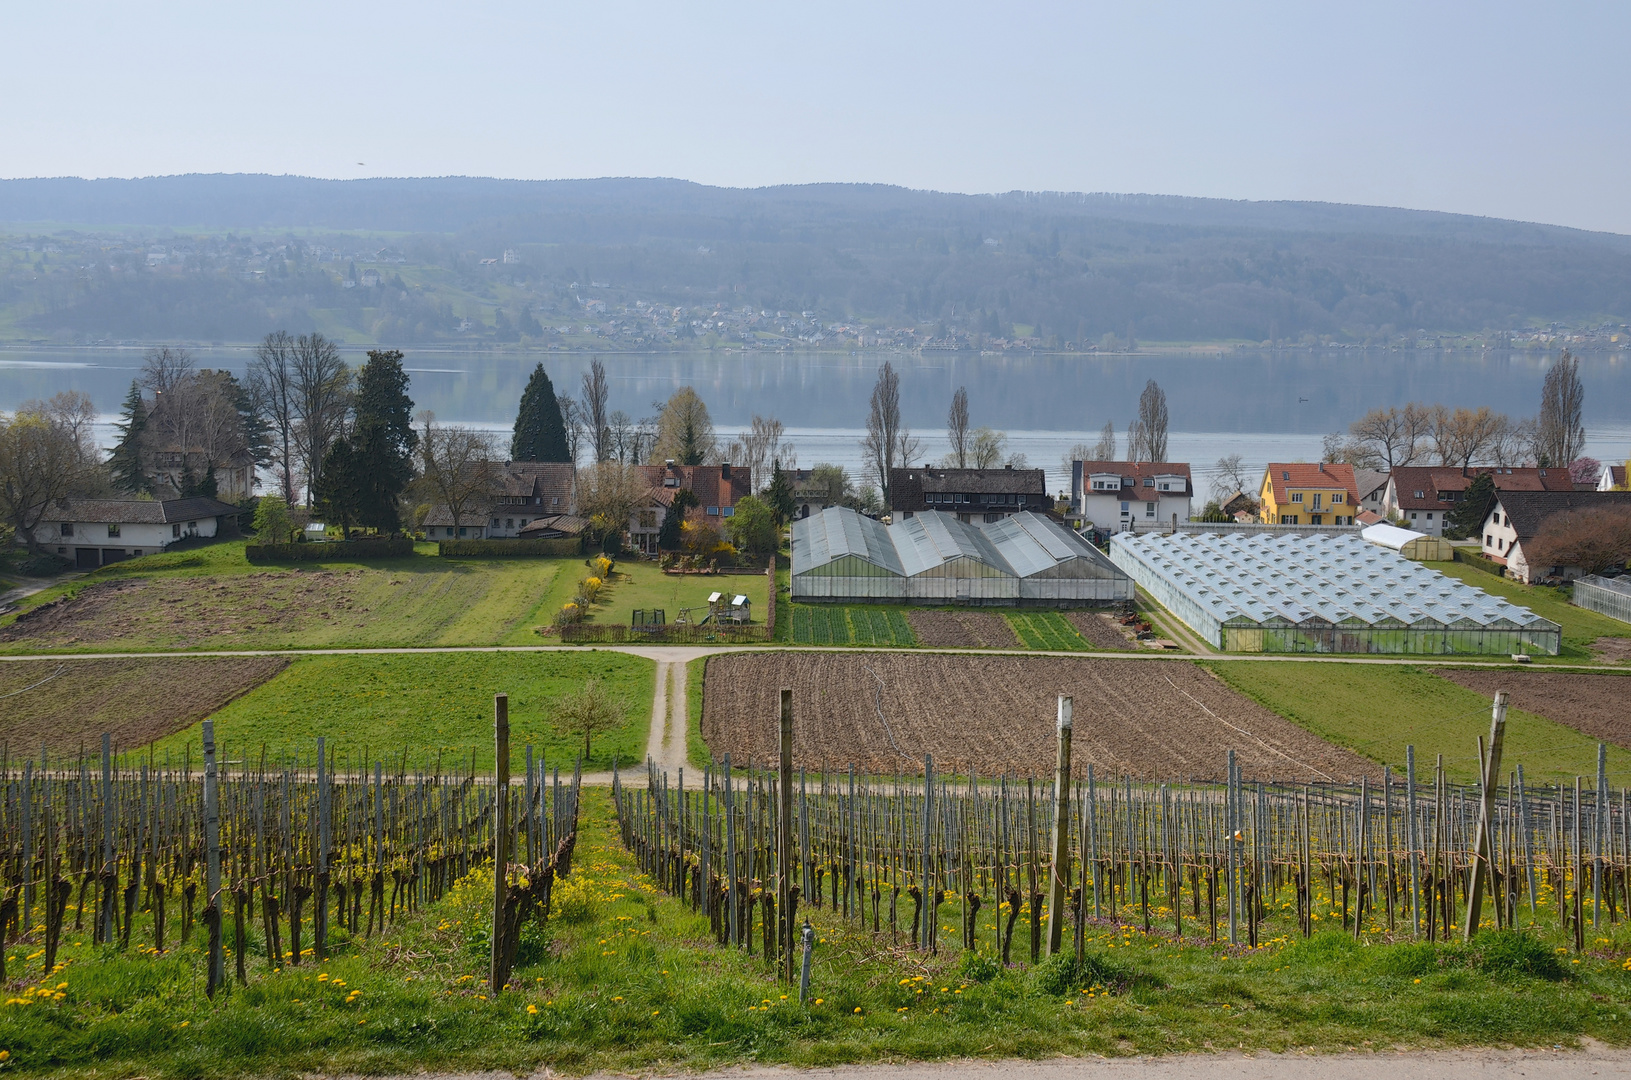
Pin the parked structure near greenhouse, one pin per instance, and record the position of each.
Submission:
(1336, 594)
(933, 558)
(1415, 546)
(1606, 596)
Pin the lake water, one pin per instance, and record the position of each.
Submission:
(1263, 405)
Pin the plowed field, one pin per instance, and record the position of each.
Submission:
(1595, 705)
(69, 703)
(963, 629)
(990, 713)
(1103, 631)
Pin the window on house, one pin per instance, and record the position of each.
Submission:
(67, 528)
(509, 523)
(1288, 519)
(1296, 496)
(989, 518)
(1489, 541)
(1336, 498)
(713, 511)
(648, 519)
(1126, 506)
(729, 511)
(1149, 509)
(1149, 482)
(1420, 495)
(495, 523)
(461, 530)
(113, 530)
(1317, 496)
(175, 530)
(1429, 515)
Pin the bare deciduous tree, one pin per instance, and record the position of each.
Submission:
(41, 462)
(322, 403)
(1560, 433)
(1105, 448)
(609, 491)
(888, 442)
(458, 466)
(1397, 436)
(1229, 476)
(1152, 419)
(1594, 539)
(621, 431)
(957, 429)
(163, 368)
(572, 421)
(1078, 452)
(1137, 442)
(759, 448)
(596, 417)
(1463, 437)
(272, 389)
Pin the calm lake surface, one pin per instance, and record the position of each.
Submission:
(1263, 405)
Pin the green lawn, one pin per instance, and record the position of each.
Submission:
(1377, 710)
(696, 750)
(434, 705)
(642, 584)
(1580, 627)
(1046, 630)
(212, 598)
(625, 979)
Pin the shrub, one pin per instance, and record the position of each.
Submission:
(602, 566)
(589, 587)
(1063, 973)
(979, 968)
(573, 900)
(1515, 954)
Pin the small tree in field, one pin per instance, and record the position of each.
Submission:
(1594, 539)
(273, 524)
(592, 711)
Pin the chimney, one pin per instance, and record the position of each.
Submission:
(668, 463)
(1010, 468)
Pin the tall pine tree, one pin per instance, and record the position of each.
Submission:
(540, 432)
(383, 440)
(340, 495)
(126, 461)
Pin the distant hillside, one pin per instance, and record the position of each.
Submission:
(151, 258)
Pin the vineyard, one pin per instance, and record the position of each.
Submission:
(884, 712)
(912, 857)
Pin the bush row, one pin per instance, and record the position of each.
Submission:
(368, 547)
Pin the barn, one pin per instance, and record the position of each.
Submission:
(933, 558)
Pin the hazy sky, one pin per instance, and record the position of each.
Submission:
(1505, 109)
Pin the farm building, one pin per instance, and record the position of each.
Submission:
(1604, 595)
(1323, 594)
(933, 558)
(1415, 546)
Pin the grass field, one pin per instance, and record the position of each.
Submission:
(434, 705)
(1046, 630)
(696, 748)
(1376, 711)
(641, 584)
(626, 981)
(212, 598)
(1580, 627)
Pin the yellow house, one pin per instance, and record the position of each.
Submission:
(1324, 494)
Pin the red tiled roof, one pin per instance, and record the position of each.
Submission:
(1138, 471)
(1431, 481)
(1330, 475)
(707, 482)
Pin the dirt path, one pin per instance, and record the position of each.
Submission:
(667, 737)
(1539, 1064)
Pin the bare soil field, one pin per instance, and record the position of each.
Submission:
(1594, 705)
(68, 704)
(993, 713)
(1612, 650)
(1101, 631)
(175, 610)
(963, 629)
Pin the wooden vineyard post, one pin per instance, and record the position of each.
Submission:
(1410, 837)
(110, 871)
(1061, 829)
(1483, 851)
(784, 837)
(1599, 822)
(1230, 825)
(212, 864)
(499, 974)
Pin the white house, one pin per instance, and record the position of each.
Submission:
(96, 532)
(523, 492)
(1612, 478)
(1119, 496)
(1517, 518)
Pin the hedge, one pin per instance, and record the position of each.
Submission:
(1479, 562)
(368, 547)
(671, 633)
(566, 545)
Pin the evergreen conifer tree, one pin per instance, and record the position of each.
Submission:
(383, 440)
(668, 535)
(339, 490)
(779, 495)
(540, 431)
(1466, 518)
(126, 461)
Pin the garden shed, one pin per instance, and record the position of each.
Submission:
(1323, 594)
(934, 558)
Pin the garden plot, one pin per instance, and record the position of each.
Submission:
(962, 629)
(1595, 705)
(66, 705)
(1101, 630)
(885, 711)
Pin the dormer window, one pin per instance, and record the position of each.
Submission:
(1149, 482)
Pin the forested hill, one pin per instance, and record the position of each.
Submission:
(1051, 266)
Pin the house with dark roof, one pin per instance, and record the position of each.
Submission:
(1423, 496)
(1612, 478)
(523, 492)
(1517, 518)
(1121, 496)
(1372, 487)
(975, 496)
(96, 532)
(1294, 493)
(717, 488)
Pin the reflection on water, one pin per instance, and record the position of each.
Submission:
(1263, 405)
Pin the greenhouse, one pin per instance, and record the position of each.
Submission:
(933, 558)
(1604, 595)
(1337, 594)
